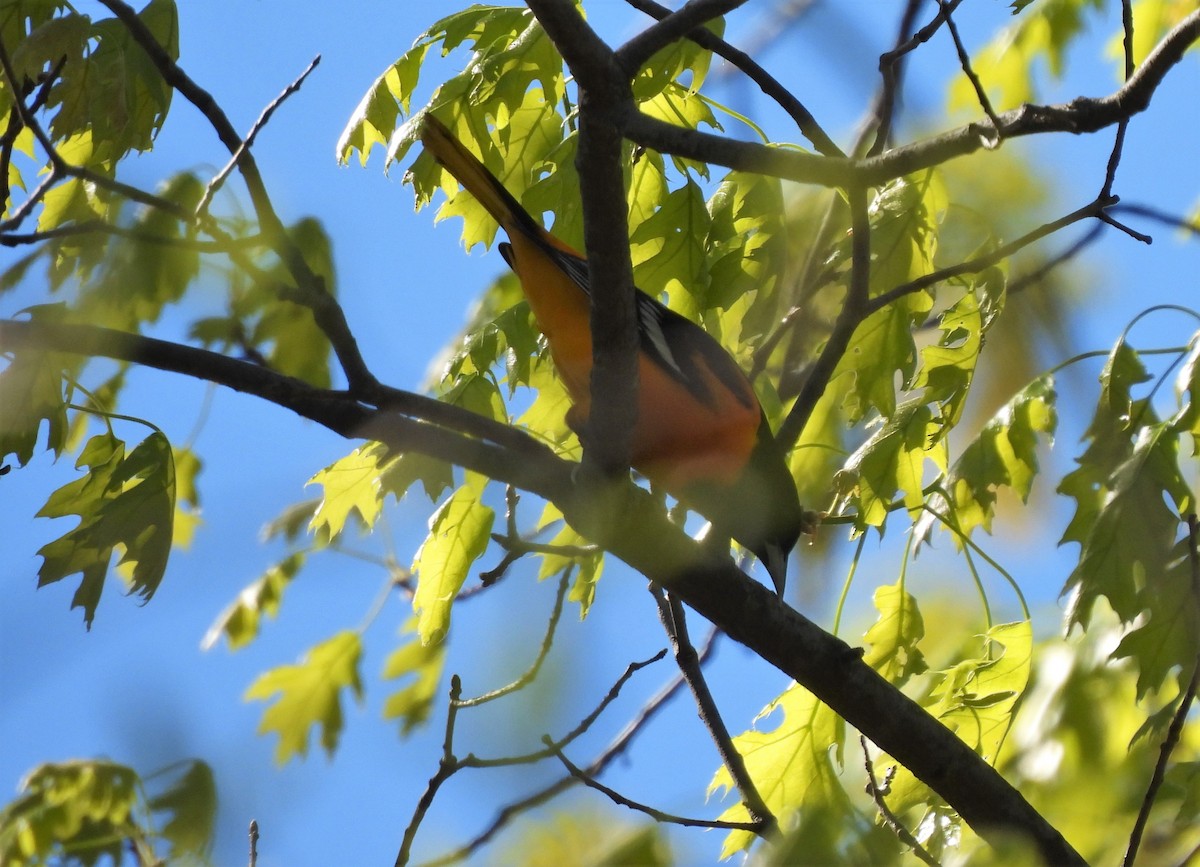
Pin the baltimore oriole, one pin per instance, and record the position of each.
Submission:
(701, 434)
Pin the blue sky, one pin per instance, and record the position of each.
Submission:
(138, 689)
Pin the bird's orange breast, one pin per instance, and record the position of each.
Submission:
(678, 437)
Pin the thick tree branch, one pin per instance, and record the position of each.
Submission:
(639, 533)
(314, 294)
(1082, 115)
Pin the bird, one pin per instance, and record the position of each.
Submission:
(700, 432)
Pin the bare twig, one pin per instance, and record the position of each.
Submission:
(1167, 219)
(248, 141)
(876, 793)
(547, 641)
(769, 85)
(1177, 722)
(447, 767)
(964, 61)
(1023, 281)
(923, 35)
(674, 621)
(99, 227)
(658, 815)
(615, 749)
(987, 260)
(1114, 158)
(891, 68)
(253, 843)
(584, 724)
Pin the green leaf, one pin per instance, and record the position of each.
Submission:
(1132, 538)
(298, 346)
(892, 460)
(115, 91)
(975, 699)
(459, 533)
(122, 501)
(309, 694)
(350, 485)
(31, 391)
(893, 638)
(1004, 454)
(590, 566)
(191, 807)
(84, 808)
(668, 248)
(412, 703)
(241, 621)
(793, 766)
(1167, 636)
(404, 471)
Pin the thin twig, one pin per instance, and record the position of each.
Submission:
(253, 843)
(923, 35)
(658, 815)
(473, 761)
(447, 767)
(674, 621)
(891, 68)
(616, 748)
(889, 818)
(675, 25)
(1114, 158)
(248, 141)
(1185, 705)
(1024, 281)
(769, 85)
(1168, 219)
(964, 61)
(987, 260)
(547, 641)
(100, 227)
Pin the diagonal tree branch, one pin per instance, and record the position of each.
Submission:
(769, 85)
(639, 533)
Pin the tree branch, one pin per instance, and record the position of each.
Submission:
(674, 620)
(1085, 114)
(314, 294)
(767, 83)
(693, 15)
(657, 815)
(639, 533)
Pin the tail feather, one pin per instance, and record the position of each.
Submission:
(474, 176)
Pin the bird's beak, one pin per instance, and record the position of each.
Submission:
(775, 560)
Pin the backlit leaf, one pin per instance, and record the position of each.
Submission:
(1004, 454)
(414, 659)
(892, 640)
(891, 461)
(309, 695)
(242, 620)
(794, 765)
(31, 391)
(125, 501)
(350, 485)
(190, 805)
(459, 533)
